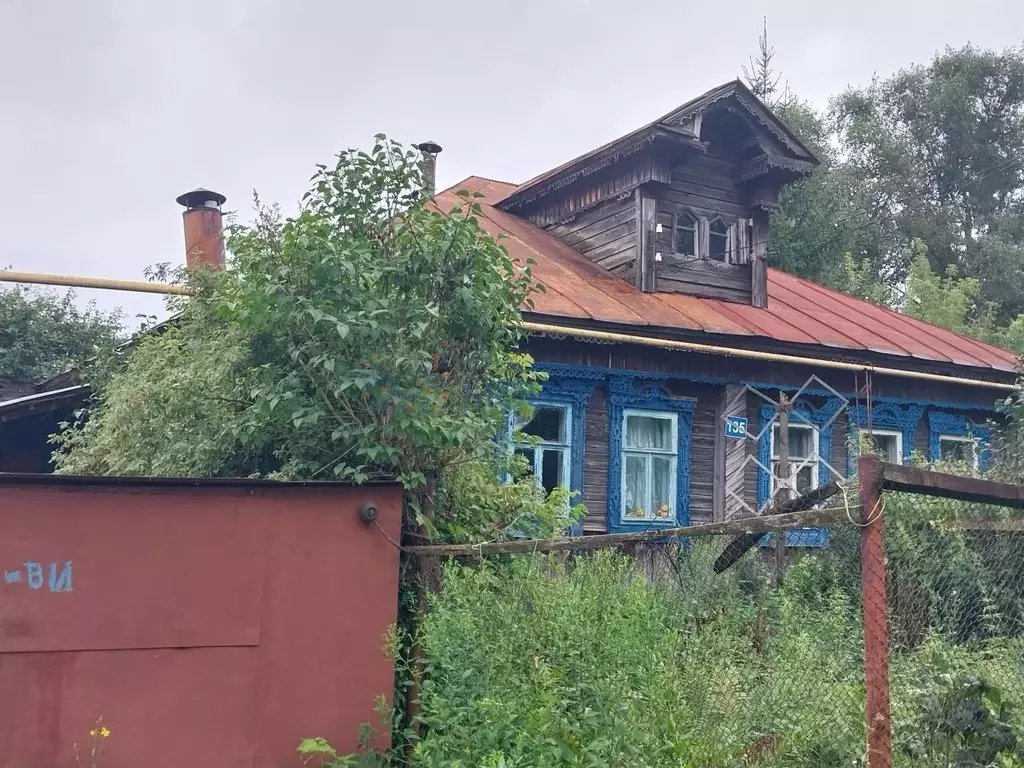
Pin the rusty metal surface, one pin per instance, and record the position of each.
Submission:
(208, 625)
(204, 238)
(799, 311)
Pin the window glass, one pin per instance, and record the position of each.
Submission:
(888, 446)
(649, 432)
(548, 423)
(718, 240)
(661, 486)
(649, 467)
(551, 469)
(526, 453)
(635, 491)
(549, 452)
(804, 478)
(960, 450)
(801, 441)
(803, 469)
(686, 234)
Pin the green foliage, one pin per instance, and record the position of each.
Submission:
(371, 336)
(944, 300)
(858, 278)
(43, 333)
(945, 714)
(653, 660)
(170, 409)
(929, 155)
(595, 665)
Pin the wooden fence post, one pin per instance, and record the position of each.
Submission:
(876, 613)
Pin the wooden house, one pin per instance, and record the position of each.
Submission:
(662, 328)
(660, 310)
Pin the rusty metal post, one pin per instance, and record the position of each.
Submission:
(876, 613)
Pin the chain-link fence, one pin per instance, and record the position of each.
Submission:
(955, 588)
(899, 643)
(698, 650)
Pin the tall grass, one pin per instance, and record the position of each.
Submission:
(533, 661)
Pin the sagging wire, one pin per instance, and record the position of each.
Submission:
(879, 508)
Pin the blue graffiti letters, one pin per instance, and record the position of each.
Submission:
(56, 577)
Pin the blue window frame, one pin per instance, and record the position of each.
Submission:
(549, 452)
(650, 455)
(820, 419)
(649, 441)
(954, 436)
(886, 418)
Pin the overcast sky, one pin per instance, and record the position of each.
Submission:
(111, 108)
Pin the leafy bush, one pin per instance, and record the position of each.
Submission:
(652, 660)
(533, 662)
(370, 336)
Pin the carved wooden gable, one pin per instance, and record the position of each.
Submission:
(681, 204)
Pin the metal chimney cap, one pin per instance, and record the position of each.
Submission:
(201, 198)
(429, 147)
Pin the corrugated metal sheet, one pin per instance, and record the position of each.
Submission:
(798, 312)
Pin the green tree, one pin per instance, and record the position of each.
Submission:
(937, 150)
(371, 336)
(43, 333)
(761, 74)
(948, 300)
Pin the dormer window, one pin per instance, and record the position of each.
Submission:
(718, 240)
(685, 234)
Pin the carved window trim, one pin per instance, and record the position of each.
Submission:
(725, 232)
(735, 246)
(696, 234)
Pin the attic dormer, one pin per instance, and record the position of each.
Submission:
(680, 205)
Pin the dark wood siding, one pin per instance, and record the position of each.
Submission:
(840, 446)
(702, 449)
(735, 453)
(709, 279)
(620, 181)
(750, 472)
(595, 464)
(605, 234)
(704, 187)
(711, 401)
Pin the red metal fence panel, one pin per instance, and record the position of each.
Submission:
(208, 624)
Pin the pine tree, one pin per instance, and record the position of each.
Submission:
(762, 78)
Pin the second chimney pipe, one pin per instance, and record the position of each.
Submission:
(428, 166)
(204, 228)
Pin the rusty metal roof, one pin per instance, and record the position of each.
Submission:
(799, 312)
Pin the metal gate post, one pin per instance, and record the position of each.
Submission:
(876, 613)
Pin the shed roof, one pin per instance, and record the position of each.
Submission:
(800, 313)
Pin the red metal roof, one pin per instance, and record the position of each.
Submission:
(798, 312)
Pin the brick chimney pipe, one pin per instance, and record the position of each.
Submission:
(204, 228)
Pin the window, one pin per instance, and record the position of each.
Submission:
(649, 466)
(718, 240)
(549, 453)
(803, 448)
(888, 444)
(958, 449)
(686, 234)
